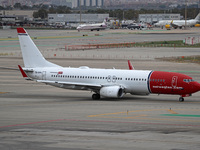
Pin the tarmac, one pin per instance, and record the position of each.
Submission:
(37, 116)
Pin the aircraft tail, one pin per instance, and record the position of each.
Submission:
(198, 17)
(31, 54)
(105, 20)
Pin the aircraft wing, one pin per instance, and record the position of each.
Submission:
(73, 85)
(174, 24)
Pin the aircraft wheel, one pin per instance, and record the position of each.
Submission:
(181, 99)
(96, 96)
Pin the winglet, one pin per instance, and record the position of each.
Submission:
(21, 30)
(23, 73)
(130, 65)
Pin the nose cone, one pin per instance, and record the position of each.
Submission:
(196, 86)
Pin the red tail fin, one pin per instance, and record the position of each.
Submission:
(130, 65)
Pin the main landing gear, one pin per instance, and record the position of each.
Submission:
(181, 99)
(96, 96)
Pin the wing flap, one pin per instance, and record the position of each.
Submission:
(73, 85)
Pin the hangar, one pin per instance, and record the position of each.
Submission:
(150, 18)
(75, 18)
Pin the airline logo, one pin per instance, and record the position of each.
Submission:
(174, 81)
(60, 72)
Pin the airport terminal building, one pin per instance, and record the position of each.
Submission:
(89, 3)
(150, 18)
(75, 18)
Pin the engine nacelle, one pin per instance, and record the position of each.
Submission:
(112, 91)
(168, 26)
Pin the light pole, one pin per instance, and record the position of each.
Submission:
(185, 14)
(80, 10)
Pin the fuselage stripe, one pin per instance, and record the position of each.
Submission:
(148, 82)
(23, 34)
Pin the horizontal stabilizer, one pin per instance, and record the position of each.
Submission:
(23, 73)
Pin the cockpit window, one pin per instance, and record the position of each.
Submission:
(188, 80)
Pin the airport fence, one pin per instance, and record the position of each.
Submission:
(121, 45)
(99, 46)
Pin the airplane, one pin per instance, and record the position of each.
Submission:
(92, 27)
(162, 23)
(178, 23)
(107, 83)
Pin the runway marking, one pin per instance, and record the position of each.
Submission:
(99, 115)
(172, 112)
(142, 117)
(180, 115)
(165, 119)
(131, 117)
(101, 121)
(3, 92)
(23, 124)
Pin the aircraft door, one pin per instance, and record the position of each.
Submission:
(109, 78)
(43, 75)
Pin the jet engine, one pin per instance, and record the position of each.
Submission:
(168, 26)
(112, 91)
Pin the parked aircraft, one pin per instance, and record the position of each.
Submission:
(178, 23)
(92, 27)
(162, 23)
(110, 83)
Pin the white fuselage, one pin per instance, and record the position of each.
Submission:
(134, 81)
(178, 23)
(182, 22)
(163, 23)
(98, 26)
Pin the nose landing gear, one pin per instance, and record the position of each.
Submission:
(181, 99)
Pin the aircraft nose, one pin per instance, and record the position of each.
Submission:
(196, 86)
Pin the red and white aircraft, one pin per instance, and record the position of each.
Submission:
(110, 83)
